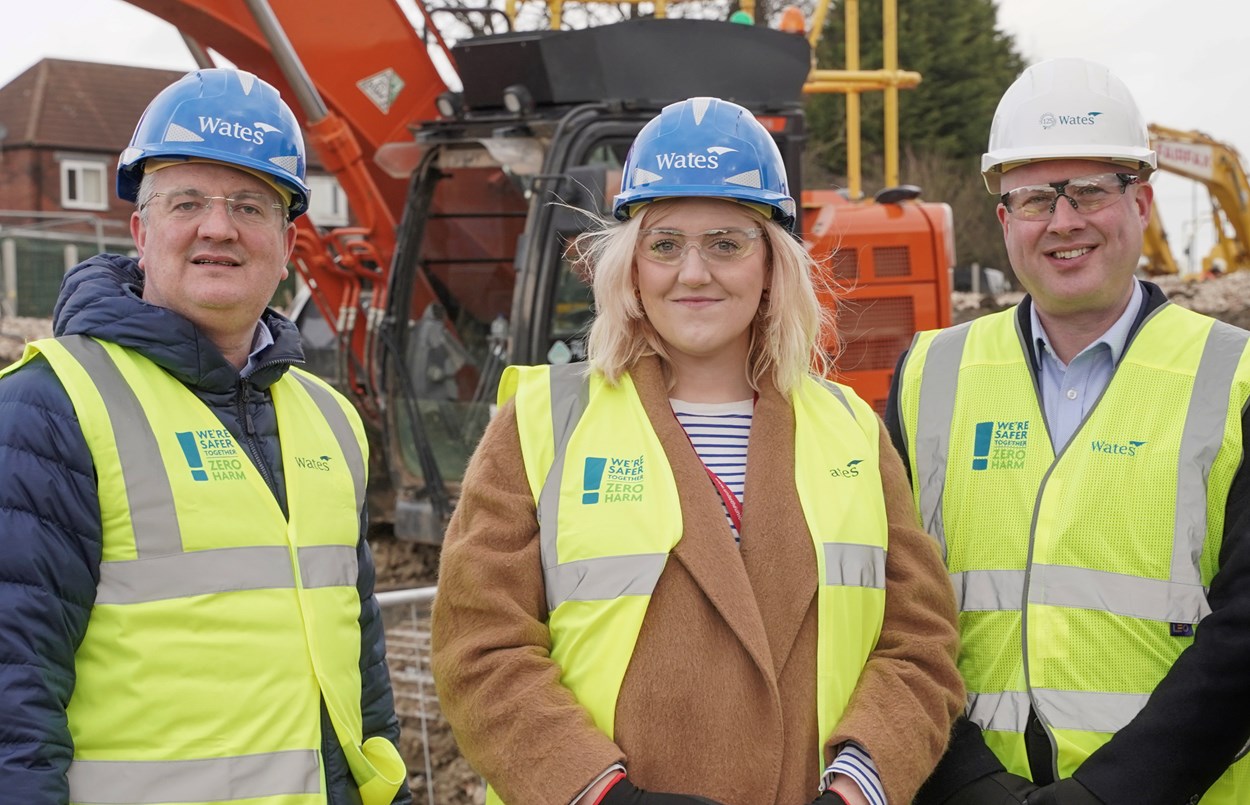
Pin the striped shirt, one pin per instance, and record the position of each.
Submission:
(719, 433)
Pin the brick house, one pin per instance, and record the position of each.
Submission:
(64, 122)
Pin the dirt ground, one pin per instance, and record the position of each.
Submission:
(403, 564)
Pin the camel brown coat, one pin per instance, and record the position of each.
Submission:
(719, 698)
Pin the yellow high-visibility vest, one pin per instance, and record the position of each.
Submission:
(219, 625)
(1113, 543)
(596, 468)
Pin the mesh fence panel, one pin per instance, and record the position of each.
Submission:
(437, 774)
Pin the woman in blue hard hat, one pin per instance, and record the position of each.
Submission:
(614, 625)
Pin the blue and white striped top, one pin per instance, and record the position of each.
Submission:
(719, 433)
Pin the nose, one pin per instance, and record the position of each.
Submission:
(1066, 217)
(216, 222)
(693, 271)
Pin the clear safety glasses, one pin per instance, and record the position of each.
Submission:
(189, 205)
(716, 246)
(1086, 194)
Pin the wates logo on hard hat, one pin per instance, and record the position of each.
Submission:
(254, 133)
(1050, 120)
(708, 161)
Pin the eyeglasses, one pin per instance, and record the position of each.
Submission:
(189, 205)
(718, 246)
(1086, 194)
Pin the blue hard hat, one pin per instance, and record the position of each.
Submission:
(223, 115)
(709, 148)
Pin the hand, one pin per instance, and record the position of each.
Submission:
(999, 788)
(830, 798)
(623, 792)
(1064, 792)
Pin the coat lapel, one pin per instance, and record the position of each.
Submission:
(707, 549)
(777, 547)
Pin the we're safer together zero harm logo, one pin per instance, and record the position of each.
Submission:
(1000, 445)
(612, 480)
(211, 454)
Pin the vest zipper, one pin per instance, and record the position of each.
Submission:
(253, 448)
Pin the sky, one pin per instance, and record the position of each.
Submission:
(1186, 63)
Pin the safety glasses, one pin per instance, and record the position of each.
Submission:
(717, 246)
(1086, 194)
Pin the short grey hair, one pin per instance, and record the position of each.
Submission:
(144, 195)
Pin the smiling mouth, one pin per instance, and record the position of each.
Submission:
(210, 262)
(1072, 254)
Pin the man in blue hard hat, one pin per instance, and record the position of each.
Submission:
(186, 605)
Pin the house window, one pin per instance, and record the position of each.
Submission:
(83, 185)
(327, 203)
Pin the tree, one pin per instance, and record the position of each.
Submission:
(965, 64)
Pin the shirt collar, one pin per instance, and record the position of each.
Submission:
(260, 339)
(1116, 336)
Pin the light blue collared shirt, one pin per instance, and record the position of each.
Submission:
(1068, 392)
(260, 339)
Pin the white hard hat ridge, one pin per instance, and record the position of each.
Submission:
(1066, 109)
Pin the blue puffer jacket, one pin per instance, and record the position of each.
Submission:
(50, 540)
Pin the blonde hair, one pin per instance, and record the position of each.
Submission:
(792, 334)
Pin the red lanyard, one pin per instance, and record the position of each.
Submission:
(732, 504)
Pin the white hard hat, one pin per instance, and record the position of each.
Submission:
(1066, 109)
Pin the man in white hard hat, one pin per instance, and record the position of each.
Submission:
(1079, 459)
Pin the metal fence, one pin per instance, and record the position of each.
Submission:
(406, 615)
(437, 774)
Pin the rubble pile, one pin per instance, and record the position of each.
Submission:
(1226, 298)
(16, 331)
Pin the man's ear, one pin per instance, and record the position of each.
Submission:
(1144, 199)
(289, 234)
(139, 234)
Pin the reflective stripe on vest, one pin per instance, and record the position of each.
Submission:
(596, 467)
(153, 717)
(1111, 584)
(274, 774)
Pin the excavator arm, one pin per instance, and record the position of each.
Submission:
(360, 93)
(1156, 252)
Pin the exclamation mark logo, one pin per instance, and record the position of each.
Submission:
(592, 479)
(187, 440)
(981, 446)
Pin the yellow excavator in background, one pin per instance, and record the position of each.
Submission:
(1219, 168)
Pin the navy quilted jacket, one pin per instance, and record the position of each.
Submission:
(50, 540)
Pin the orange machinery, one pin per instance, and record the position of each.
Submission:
(455, 266)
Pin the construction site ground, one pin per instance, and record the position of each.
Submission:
(439, 775)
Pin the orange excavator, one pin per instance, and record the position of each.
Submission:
(465, 198)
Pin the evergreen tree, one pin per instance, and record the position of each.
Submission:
(966, 64)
